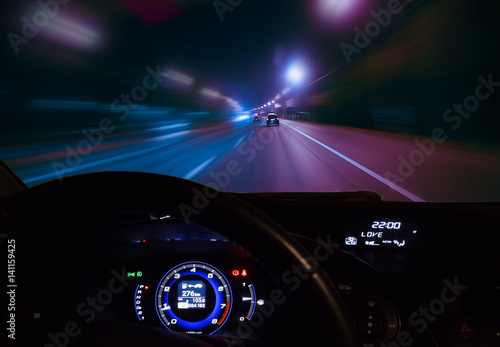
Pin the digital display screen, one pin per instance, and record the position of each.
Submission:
(383, 233)
(191, 295)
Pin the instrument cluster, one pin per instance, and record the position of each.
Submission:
(200, 298)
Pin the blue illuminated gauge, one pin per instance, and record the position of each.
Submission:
(194, 298)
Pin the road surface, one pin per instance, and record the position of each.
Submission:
(296, 156)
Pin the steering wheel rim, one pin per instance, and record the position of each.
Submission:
(223, 213)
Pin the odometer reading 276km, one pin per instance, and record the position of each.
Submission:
(194, 298)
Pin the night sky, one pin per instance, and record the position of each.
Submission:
(245, 55)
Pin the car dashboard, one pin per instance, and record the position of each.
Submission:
(158, 273)
(417, 274)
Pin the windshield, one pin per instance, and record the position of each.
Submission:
(396, 97)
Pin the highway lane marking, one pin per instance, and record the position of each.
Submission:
(171, 126)
(197, 169)
(239, 141)
(168, 136)
(384, 180)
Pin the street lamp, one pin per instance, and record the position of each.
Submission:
(295, 73)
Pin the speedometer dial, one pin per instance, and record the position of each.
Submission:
(193, 298)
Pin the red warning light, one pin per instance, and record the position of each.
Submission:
(235, 273)
(146, 287)
(244, 272)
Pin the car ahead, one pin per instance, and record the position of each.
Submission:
(272, 119)
(256, 118)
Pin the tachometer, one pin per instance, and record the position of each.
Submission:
(193, 298)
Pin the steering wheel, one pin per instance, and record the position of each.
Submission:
(63, 206)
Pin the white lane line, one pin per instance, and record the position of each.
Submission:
(168, 136)
(197, 169)
(384, 180)
(239, 141)
(171, 126)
